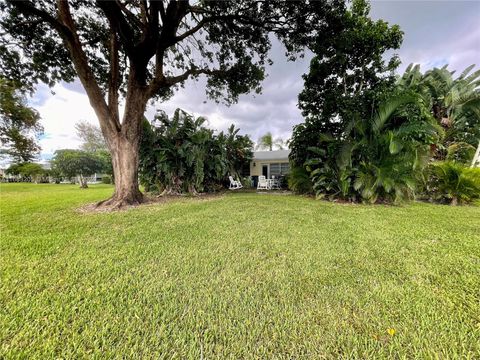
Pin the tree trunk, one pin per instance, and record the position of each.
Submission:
(454, 201)
(125, 160)
(83, 182)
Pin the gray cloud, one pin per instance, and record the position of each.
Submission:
(436, 32)
(274, 110)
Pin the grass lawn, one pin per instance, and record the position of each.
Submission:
(239, 276)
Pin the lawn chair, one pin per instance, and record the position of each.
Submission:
(274, 183)
(262, 183)
(234, 184)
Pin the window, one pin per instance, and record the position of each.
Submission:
(285, 168)
(277, 169)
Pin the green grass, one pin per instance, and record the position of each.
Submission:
(240, 276)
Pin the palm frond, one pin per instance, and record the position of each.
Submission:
(388, 108)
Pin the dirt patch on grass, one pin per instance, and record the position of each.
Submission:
(149, 200)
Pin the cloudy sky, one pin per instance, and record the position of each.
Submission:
(436, 33)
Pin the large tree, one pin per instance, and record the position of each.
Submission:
(142, 50)
(350, 74)
(19, 124)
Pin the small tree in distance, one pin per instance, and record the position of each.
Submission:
(268, 142)
(33, 171)
(76, 163)
(91, 136)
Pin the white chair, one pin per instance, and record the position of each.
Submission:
(234, 184)
(274, 183)
(262, 183)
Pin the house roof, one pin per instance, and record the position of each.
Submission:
(271, 155)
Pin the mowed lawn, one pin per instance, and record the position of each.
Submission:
(239, 276)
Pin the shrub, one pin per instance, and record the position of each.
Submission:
(107, 179)
(181, 155)
(454, 182)
(461, 152)
(299, 180)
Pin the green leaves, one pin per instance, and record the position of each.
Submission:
(388, 108)
(71, 163)
(19, 124)
(455, 182)
(181, 155)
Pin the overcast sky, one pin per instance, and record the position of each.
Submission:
(436, 33)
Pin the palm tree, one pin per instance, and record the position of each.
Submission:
(380, 157)
(454, 102)
(268, 142)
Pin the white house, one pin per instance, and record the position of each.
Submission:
(269, 163)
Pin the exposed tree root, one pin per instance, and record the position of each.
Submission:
(112, 205)
(120, 202)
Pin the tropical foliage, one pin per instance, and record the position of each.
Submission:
(453, 101)
(349, 75)
(461, 152)
(180, 154)
(354, 153)
(378, 158)
(453, 182)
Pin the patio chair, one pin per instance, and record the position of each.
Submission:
(262, 183)
(274, 183)
(234, 184)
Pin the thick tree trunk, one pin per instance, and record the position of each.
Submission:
(125, 171)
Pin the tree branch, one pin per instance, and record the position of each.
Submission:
(28, 8)
(114, 84)
(131, 16)
(108, 123)
(163, 81)
(117, 21)
(193, 30)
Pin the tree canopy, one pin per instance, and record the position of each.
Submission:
(349, 75)
(19, 124)
(91, 136)
(268, 142)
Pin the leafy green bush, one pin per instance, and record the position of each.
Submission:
(299, 180)
(247, 182)
(377, 159)
(461, 152)
(453, 182)
(181, 155)
(107, 179)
